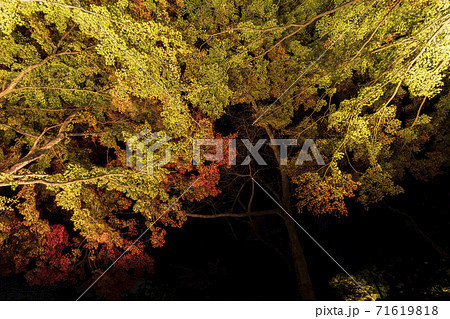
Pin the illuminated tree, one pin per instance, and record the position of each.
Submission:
(76, 84)
(363, 79)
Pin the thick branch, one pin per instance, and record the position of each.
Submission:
(269, 132)
(243, 215)
(19, 77)
(12, 86)
(36, 153)
(47, 183)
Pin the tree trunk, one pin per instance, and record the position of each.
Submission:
(301, 269)
(304, 284)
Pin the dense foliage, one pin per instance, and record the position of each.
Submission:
(368, 81)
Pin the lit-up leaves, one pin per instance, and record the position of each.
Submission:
(324, 195)
(348, 290)
(54, 264)
(376, 184)
(125, 272)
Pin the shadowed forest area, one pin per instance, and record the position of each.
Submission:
(224, 150)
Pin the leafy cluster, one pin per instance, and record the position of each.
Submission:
(367, 81)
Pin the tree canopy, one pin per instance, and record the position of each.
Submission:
(367, 80)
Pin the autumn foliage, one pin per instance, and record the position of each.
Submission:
(76, 83)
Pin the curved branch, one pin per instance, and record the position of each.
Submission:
(47, 183)
(243, 215)
(61, 89)
(12, 86)
(418, 111)
(302, 26)
(292, 25)
(36, 153)
(18, 131)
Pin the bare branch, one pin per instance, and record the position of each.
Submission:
(243, 215)
(35, 152)
(20, 132)
(61, 89)
(418, 111)
(44, 182)
(20, 76)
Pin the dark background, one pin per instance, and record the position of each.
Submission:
(221, 259)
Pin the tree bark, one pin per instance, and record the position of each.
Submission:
(304, 283)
